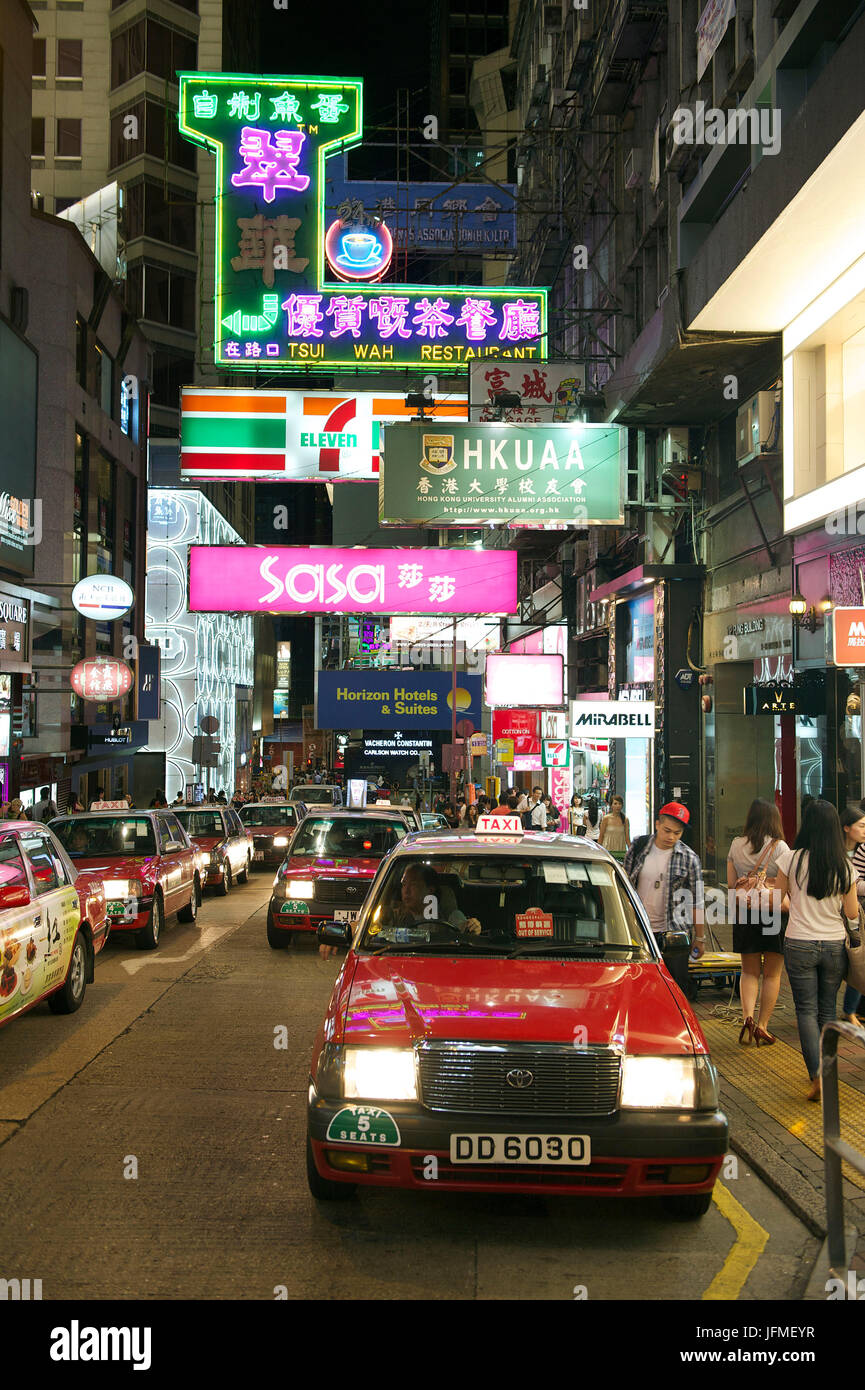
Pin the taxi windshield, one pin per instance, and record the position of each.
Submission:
(269, 815)
(105, 837)
(346, 838)
(511, 905)
(315, 796)
(201, 822)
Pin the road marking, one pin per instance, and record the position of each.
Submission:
(747, 1248)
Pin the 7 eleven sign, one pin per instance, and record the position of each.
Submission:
(556, 752)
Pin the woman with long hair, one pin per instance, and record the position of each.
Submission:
(615, 832)
(593, 828)
(752, 863)
(576, 814)
(817, 876)
(853, 825)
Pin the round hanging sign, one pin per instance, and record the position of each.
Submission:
(102, 678)
(102, 596)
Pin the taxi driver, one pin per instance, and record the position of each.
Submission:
(424, 897)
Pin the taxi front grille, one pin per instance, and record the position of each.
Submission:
(468, 1077)
(340, 892)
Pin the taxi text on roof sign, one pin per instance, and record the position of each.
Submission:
(274, 306)
(499, 825)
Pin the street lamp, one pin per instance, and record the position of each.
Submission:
(804, 615)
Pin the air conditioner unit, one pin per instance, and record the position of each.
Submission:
(633, 168)
(674, 448)
(755, 426)
(676, 156)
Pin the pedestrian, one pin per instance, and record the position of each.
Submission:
(752, 863)
(158, 801)
(576, 813)
(552, 810)
(819, 880)
(100, 796)
(130, 802)
(522, 802)
(471, 819)
(513, 803)
(853, 825)
(221, 799)
(669, 881)
(451, 815)
(615, 832)
(44, 810)
(73, 806)
(593, 828)
(15, 809)
(537, 812)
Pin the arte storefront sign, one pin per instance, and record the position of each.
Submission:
(769, 699)
(400, 700)
(291, 436)
(550, 392)
(472, 475)
(614, 718)
(443, 217)
(274, 305)
(327, 579)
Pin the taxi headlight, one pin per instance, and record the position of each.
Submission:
(300, 888)
(669, 1083)
(123, 888)
(379, 1073)
(279, 841)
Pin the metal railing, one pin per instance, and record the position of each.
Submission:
(834, 1147)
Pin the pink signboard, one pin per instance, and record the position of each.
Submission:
(327, 579)
(535, 682)
(561, 791)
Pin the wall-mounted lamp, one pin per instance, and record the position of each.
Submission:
(804, 615)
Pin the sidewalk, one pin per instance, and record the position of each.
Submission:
(773, 1128)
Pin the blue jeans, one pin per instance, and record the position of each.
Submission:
(852, 998)
(816, 969)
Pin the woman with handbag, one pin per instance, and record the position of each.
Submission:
(816, 874)
(752, 864)
(853, 825)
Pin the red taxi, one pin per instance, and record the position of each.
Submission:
(147, 862)
(219, 832)
(329, 865)
(271, 823)
(52, 923)
(504, 1021)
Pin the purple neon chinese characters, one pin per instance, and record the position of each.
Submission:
(270, 160)
(303, 315)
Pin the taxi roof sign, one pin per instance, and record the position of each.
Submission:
(499, 825)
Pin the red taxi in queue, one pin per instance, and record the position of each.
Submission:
(227, 845)
(504, 1021)
(330, 862)
(53, 923)
(147, 862)
(271, 822)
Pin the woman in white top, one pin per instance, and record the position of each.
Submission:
(817, 875)
(853, 825)
(593, 821)
(757, 932)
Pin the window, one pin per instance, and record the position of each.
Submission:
(169, 297)
(170, 372)
(152, 47)
(69, 58)
(38, 68)
(12, 871)
(68, 138)
(165, 217)
(46, 869)
(166, 834)
(37, 136)
(81, 352)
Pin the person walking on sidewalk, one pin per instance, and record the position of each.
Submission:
(669, 881)
(615, 832)
(752, 864)
(853, 825)
(593, 828)
(817, 876)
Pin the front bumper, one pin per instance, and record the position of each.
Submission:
(296, 921)
(633, 1154)
(124, 917)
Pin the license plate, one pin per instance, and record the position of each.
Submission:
(344, 914)
(259, 854)
(295, 906)
(569, 1150)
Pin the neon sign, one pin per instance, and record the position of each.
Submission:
(273, 301)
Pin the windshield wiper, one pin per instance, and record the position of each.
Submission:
(591, 948)
(404, 947)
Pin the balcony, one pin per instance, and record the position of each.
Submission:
(623, 44)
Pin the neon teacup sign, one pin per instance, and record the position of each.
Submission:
(358, 252)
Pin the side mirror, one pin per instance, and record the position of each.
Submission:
(14, 895)
(334, 934)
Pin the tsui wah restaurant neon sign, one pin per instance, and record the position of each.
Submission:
(274, 305)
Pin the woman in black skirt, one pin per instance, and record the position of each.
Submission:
(758, 934)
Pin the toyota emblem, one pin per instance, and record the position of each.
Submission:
(520, 1079)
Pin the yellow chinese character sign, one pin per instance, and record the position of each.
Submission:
(275, 304)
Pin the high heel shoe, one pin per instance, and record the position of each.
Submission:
(763, 1038)
(815, 1092)
(747, 1027)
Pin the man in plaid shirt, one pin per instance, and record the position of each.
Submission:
(669, 881)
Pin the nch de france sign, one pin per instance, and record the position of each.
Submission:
(294, 290)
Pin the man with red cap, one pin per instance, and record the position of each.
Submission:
(669, 881)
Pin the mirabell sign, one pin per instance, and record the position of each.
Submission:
(274, 306)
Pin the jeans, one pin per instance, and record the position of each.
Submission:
(816, 969)
(852, 998)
